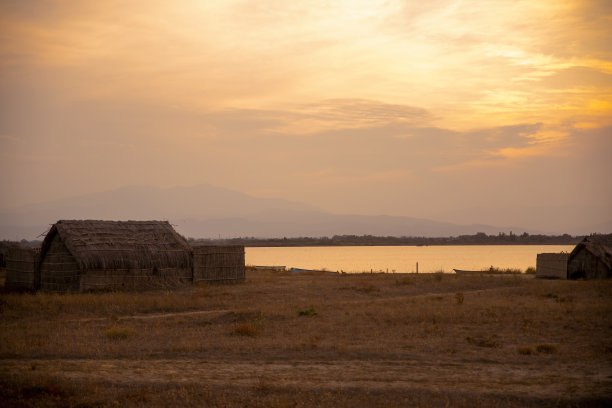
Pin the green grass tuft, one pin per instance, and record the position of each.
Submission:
(307, 312)
(119, 333)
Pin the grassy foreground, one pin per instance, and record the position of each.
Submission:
(282, 340)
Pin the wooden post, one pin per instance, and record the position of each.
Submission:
(417, 267)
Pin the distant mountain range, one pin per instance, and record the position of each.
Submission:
(205, 211)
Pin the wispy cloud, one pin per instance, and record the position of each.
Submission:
(310, 99)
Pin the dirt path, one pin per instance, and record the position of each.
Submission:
(212, 313)
(219, 312)
(439, 375)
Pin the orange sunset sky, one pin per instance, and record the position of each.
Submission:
(496, 111)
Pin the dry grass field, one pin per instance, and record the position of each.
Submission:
(283, 340)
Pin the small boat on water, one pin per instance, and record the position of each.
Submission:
(300, 270)
(274, 267)
(464, 272)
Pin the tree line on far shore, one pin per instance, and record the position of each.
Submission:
(479, 238)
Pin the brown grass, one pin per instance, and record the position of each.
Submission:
(546, 348)
(376, 340)
(118, 333)
(246, 329)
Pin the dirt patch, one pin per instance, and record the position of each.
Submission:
(450, 375)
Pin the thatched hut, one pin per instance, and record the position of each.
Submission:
(21, 264)
(591, 258)
(218, 264)
(89, 255)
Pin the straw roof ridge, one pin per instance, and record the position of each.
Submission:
(599, 245)
(97, 244)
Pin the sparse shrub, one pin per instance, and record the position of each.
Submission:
(404, 281)
(546, 349)
(459, 298)
(488, 341)
(438, 276)
(199, 294)
(366, 288)
(307, 312)
(263, 385)
(246, 329)
(530, 271)
(507, 271)
(560, 299)
(433, 329)
(118, 333)
(525, 350)
(136, 395)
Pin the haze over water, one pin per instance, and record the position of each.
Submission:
(401, 259)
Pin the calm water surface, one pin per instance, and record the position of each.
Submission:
(402, 258)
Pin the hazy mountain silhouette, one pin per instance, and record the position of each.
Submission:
(204, 211)
(147, 202)
(318, 224)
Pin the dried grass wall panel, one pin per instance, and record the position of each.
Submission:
(134, 278)
(552, 265)
(21, 268)
(218, 264)
(59, 271)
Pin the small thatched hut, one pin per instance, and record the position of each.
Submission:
(89, 255)
(591, 258)
(218, 264)
(21, 266)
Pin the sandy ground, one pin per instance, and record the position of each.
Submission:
(574, 381)
(378, 334)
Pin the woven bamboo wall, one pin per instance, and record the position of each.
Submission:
(218, 264)
(134, 279)
(552, 265)
(21, 268)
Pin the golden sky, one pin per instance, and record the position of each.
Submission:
(467, 111)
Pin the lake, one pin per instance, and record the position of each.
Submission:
(401, 258)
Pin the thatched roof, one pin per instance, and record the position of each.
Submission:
(121, 244)
(598, 245)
